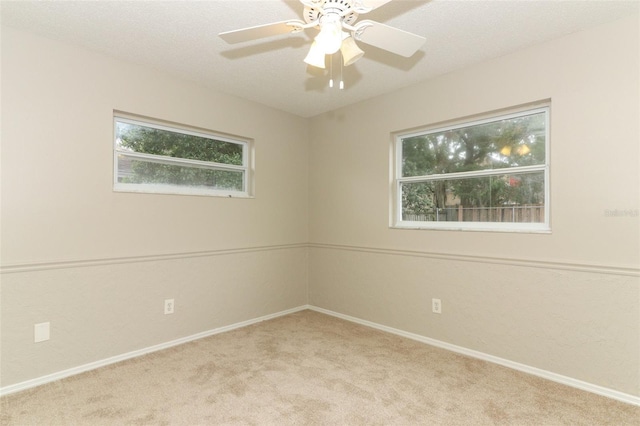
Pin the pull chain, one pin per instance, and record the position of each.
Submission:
(341, 84)
(341, 66)
(331, 71)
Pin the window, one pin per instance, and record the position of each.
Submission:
(155, 158)
(489, 174)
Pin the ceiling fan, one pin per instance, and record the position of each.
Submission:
(336, 20)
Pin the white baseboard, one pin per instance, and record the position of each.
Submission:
(589, 387)
(97, 364)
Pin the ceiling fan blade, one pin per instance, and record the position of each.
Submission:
(388, 38)
(261, 31)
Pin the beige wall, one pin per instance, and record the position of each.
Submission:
(567, 302)
(94, 263)
(71, 247)
(57, 153)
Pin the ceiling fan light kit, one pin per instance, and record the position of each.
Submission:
(336, 20)
(350, 51)
(315, 57)
(330, 37)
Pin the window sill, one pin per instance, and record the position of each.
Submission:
(537, 228)
(170, 190)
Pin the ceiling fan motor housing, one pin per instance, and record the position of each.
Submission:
(341, 10)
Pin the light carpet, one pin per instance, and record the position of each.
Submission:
(308, 368)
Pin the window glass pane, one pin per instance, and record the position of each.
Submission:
(149, 140)
(517, 197)
(143, 171)
(511, 142)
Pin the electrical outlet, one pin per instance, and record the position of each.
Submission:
(41, 332)
(169, 306)
(436, 306)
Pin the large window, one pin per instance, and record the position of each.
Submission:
(156, 158)
(489, 174)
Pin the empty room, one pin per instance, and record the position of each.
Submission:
(323, 212)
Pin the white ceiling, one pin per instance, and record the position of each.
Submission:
(180, 37)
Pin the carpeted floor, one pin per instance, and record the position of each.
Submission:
(309, 369)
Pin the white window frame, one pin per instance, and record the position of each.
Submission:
(178, 189)
(398, 180)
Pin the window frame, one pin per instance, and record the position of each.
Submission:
(398, 180)
(151, 188)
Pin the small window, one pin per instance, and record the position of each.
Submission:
(489, 174)
(155, 158)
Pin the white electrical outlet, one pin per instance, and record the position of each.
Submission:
(169, 306)
(41, 332)
(436, 306)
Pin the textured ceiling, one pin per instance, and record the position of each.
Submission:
(180, 37)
